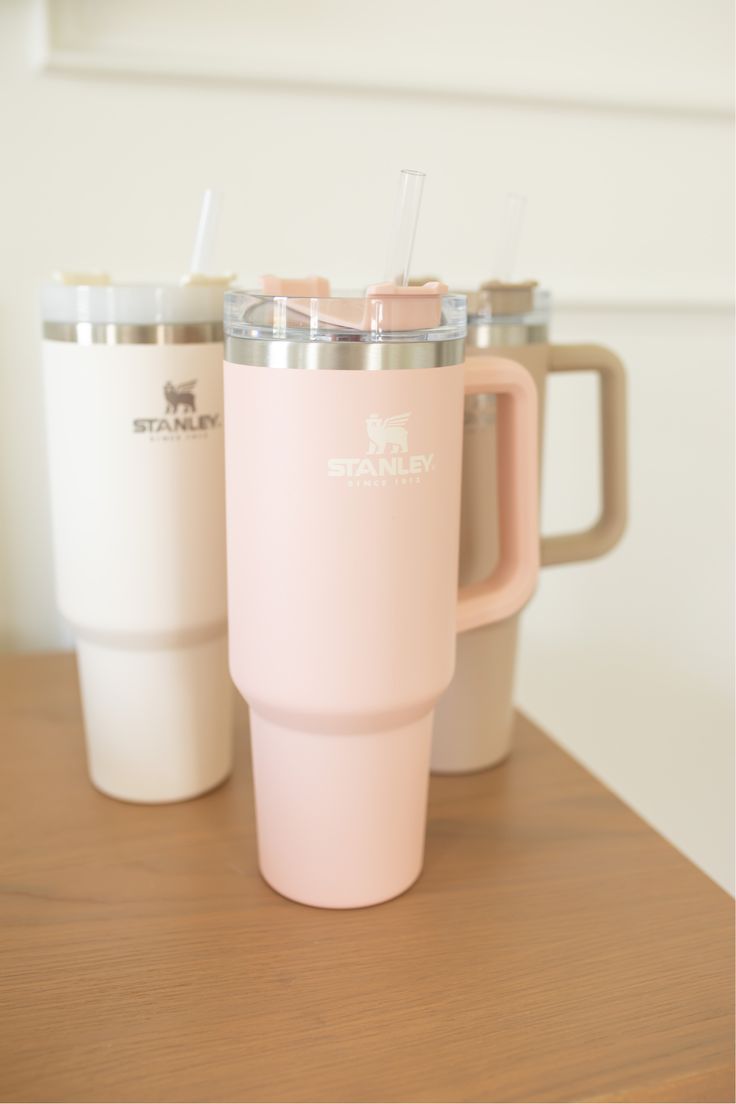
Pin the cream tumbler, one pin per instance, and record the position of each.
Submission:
(133, 380)
(474, 718)
(343, 452)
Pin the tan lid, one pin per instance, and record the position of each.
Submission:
(496, 298)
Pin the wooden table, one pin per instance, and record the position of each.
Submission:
(555, 948)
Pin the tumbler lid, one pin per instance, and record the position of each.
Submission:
(503, 315)
(81, 297)
(496, 301)
(383, 313)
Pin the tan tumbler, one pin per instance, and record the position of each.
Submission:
(473, 721)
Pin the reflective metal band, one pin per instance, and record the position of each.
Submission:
(361, 356)
(491, 335)
(128, 333)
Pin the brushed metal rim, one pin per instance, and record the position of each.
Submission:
(129, 333)
(361, 356)
(492, 335)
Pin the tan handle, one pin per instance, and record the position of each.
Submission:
(608, 530)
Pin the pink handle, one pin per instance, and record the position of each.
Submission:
(513, 581)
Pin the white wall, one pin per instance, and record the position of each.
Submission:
(614, 117)
(628, 661)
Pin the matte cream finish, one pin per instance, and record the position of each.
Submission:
(157, 720)
(138, 517)
(473, 719)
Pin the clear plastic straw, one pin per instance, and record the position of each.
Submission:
(507, 247)
(204, 242)
(401, 246)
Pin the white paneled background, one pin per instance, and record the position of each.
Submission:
(615, 117)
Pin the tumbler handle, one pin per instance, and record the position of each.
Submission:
(515, 575)
(607, 531)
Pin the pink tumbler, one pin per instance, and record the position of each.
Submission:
(343, 436)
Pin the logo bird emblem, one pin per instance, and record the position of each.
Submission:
(181, 394)
(387, 433)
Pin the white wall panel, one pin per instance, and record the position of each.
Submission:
(661, 55)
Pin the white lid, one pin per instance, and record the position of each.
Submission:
(136, 304)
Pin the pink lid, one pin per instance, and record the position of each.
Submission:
(305, 285)
(294, 310)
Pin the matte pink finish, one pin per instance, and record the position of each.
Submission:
(342, 568)
(375, 787)
(515, 576)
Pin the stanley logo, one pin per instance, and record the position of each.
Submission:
(179, 397)
(387, 459)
